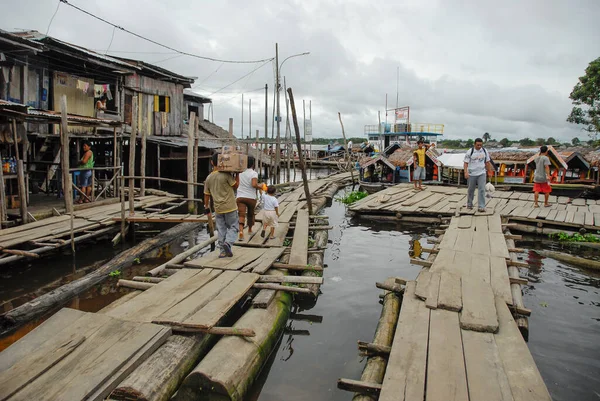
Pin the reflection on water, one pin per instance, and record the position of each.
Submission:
(564, 326)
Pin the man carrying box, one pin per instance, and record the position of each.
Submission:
(220, 186)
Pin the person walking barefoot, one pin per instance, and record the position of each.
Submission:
(541, 177)
(271, 215)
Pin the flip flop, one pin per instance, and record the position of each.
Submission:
(536, 206)
(547, 205)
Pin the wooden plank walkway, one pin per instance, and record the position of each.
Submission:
(456, 338)
(518, 206)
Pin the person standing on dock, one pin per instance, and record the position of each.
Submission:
(85, 176)
(476, 162)
(419, 161)
(246, 196)
(271, 210)
(541, 178)
(219, 186)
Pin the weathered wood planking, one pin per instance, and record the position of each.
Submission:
(434, 289)
(499, 279)
(264, 262)
(215, 309)
(487, 379)
(479, 311)
(422, 288)
(465, 221)
(280, 234)
(446, 376)
(299, 252)
(241, 257)
(526, 383)
(404, 378)
(450, 294)
(95, 367)
(197, 300)
(248, 236)
(498, 245)
(163, 296)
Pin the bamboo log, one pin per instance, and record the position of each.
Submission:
(134, 284)
(285, 288)
(182, 256)
(53, 300)
(572, 260)
(384, 334)
(290, 279)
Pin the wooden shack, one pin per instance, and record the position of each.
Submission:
(578, 170)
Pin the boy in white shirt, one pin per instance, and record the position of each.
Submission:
(271, 212)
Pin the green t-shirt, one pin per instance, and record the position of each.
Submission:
(219, 185)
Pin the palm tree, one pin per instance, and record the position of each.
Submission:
(486, 136)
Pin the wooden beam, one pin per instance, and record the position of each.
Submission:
(291, 279)
(144, 279)
(190, 162)
(23, 192)
(300, 154)
(516, 263)
(132, 144)
(278, 287)
(195, 328)
(520, 310)
(394, 288)
(430, 250)
(516, 250)
(513, 236)
(374, 349)
(357, 386)
(278, 265)
(134, 284)
(515, 280)
(424, 263)
(64, 155)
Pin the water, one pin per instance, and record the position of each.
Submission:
(564, 326)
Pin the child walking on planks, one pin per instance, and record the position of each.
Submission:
(271, 212)
(541, 177)
(219, 186)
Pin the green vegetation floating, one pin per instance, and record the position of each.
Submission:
(575, 237)
(352, 197)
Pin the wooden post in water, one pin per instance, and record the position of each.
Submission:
(346, 146)
(122, 194)
(132, 141)
(158, 164)
(64, 155)
(301, 156)
(72, 216)
(2, 198)
(231, 127)
(22, 191)
(143, 163)
(190, 163)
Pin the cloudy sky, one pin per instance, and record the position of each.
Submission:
(503, 67)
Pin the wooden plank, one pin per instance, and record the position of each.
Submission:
(450, 295)
(479, 268)
(416, 198)
(446, 375)
(494, 224)
(479, 311)
(487, 379)
(38, 336)
(552, 215)
(543, 212)
(248, 236)
(404, 378)
(163, 296)
(481, 240)
(299, 252)
(215, 310)
(290, 279)
(263, 298)
(423, 279)
(597, 219)
(498, 245)
(434, 289)
(499, 279)
(262, 264)
(432, 200)
(280, 233)
(465, 221)
(289, 212)
(561, 216)
(579, 218)
(578, 202)
(241, 257)
(570, 217)
(526, 383)
(464, 241)
(197, 300)
(443, 260)
(449, 239)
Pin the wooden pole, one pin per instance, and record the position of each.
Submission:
(22, 191)
(143, 163)
(2, 198)
(242, 131)
(301, 156)
(346, 146)
(122, 194)
(15, 138)
(231, 127)
(158, 164)
(132, 143)
(196, 143)
(278, 143)
(72, 217)
(64, 155)
(258, 154)
(288, 133)
(190, 162)
(249, 118)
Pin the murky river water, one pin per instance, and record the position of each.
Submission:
(320, 348)
(564, 326)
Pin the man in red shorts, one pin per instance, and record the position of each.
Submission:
(541, 177)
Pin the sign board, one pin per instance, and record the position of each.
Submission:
(308, 130)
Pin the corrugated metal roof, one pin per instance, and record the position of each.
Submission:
(7, 103)
(71, 117)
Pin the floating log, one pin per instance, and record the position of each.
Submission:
(572, 260)
(134, 284)
(290, 279)
(212, 379)
(196, 328)
(182, 256)
(316, 259)
(371, 349)
(384, 334)
(55, 299)
(145, 279)
(359, 386)
(285, 288)
(390, 287)
(278, 265)
(517, 295)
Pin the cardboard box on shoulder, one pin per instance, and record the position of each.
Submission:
(233, 162)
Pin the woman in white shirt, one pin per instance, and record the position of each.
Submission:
(246, 196)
